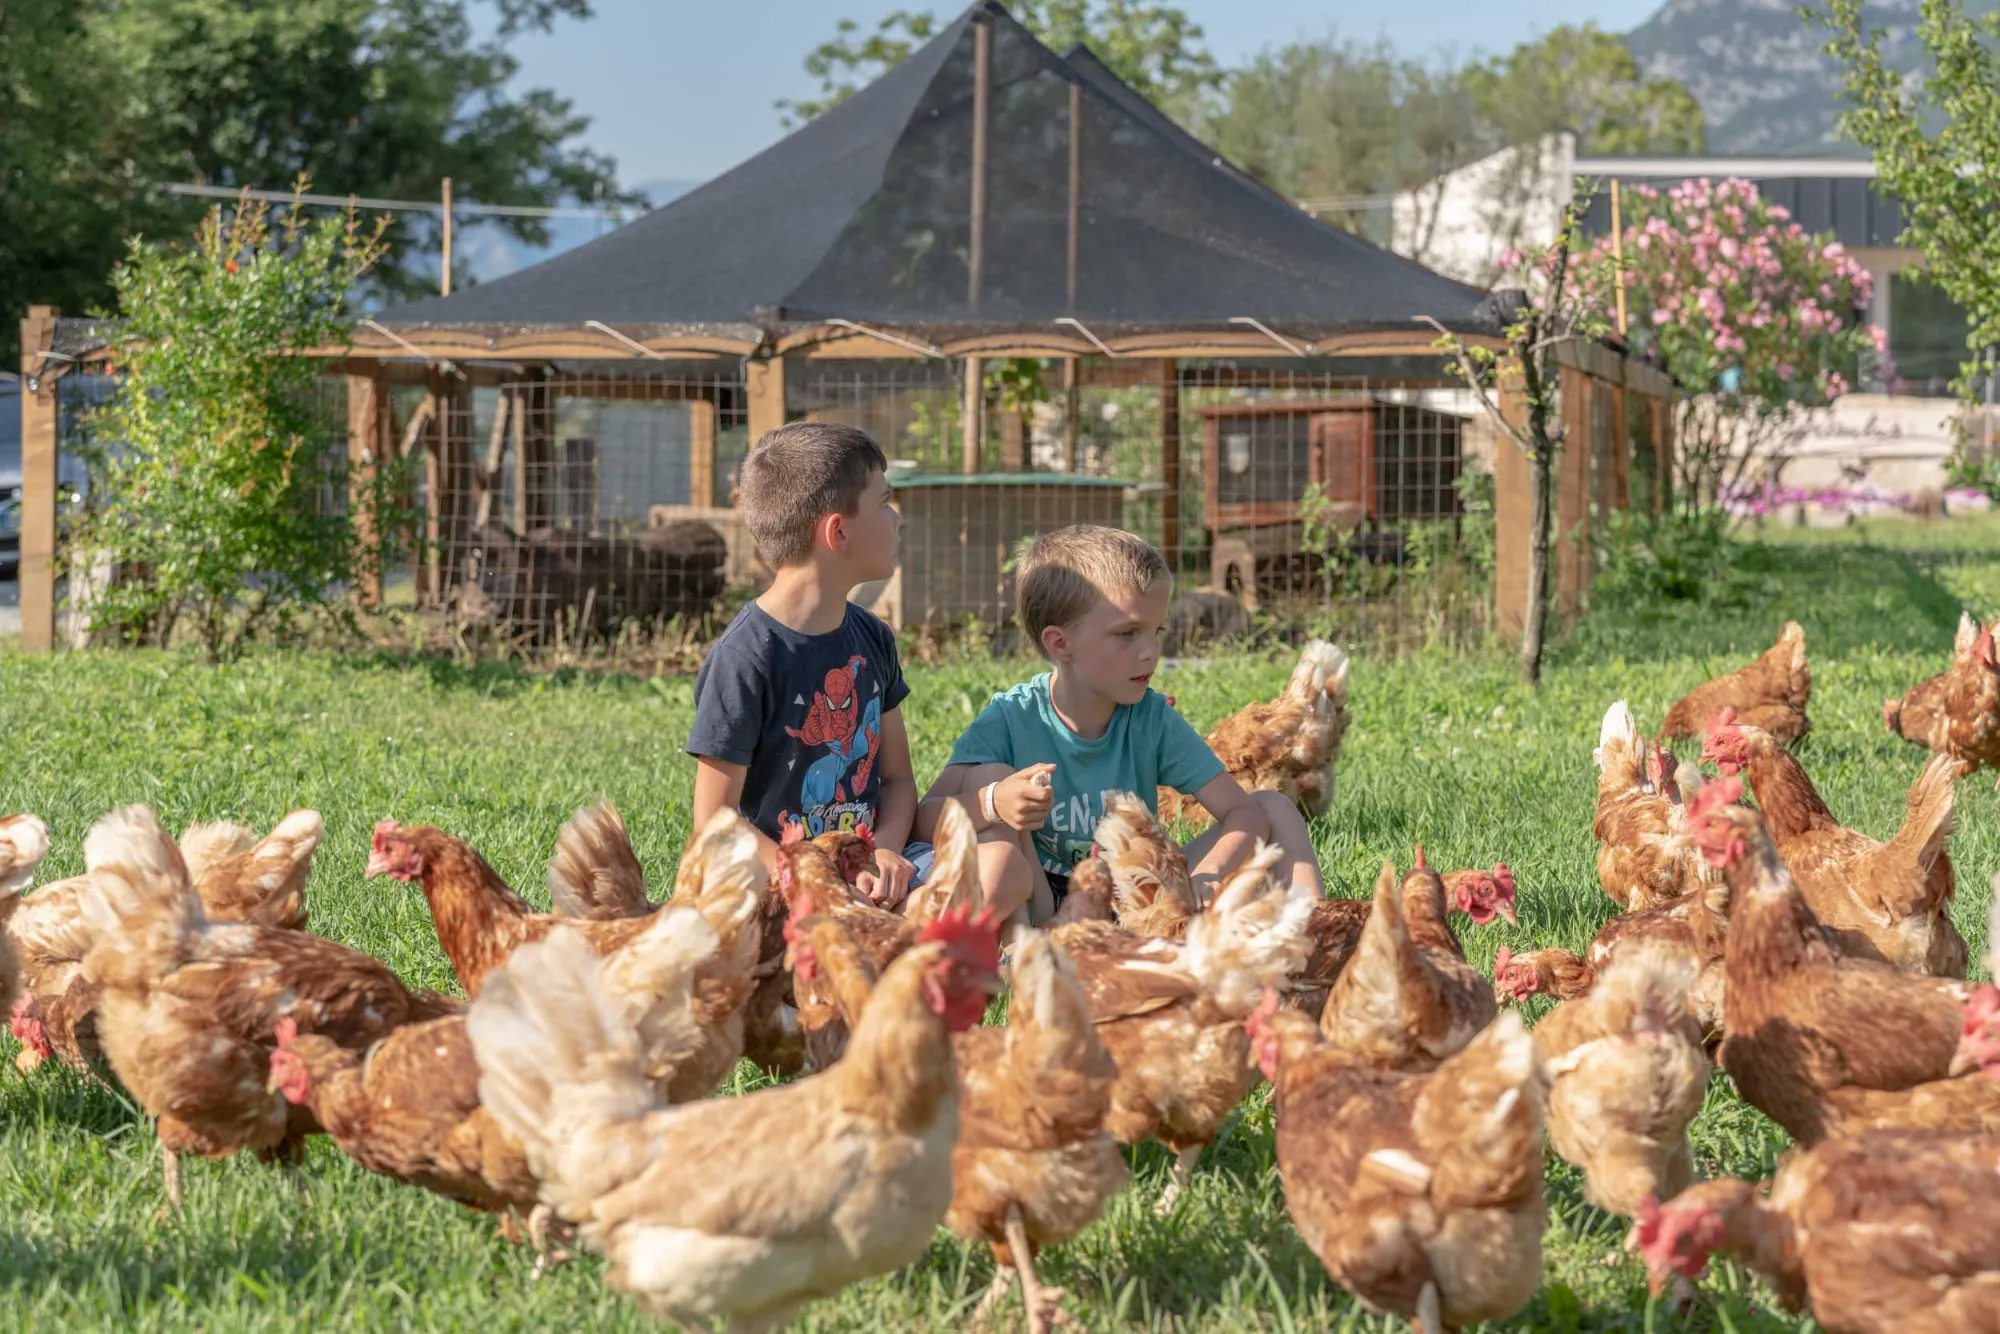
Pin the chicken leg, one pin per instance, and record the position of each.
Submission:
(170, 1172)
(1183, 1173)
(1044, 1305)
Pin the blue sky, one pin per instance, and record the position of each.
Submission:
(684, 91)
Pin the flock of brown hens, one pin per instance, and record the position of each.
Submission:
(570, 1093)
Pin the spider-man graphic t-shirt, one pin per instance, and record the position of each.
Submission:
(803, 714)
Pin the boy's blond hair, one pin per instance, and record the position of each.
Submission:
(1066, 573)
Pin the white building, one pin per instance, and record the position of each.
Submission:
(1892, 436)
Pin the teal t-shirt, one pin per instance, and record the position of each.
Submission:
(1147, 746)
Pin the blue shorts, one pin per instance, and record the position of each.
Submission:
(919, 855)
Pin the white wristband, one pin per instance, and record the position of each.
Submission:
(986, 805)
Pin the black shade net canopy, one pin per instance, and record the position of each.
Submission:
(1095, 208)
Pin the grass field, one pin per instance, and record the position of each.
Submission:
(1449, 750)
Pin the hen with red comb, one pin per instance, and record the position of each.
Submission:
(1956, 712)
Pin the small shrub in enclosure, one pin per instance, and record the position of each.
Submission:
(1677, 556)
(219, 488)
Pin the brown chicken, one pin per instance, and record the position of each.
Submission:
(1092, 895)
(1289, 744)
(409, 1106)
(237, 876)
(1152, 889)
(1771, 693)
(1420, 1193)
(1034, 1164)
(738, 1210)
(1979, 1031)
(480, 921)
(1640, 805)
(188, 1009)
(1171, 1012)
(1626, 1078)
(1956, 712)
(1694, 926)
(811, 883)
(1889, 901)
(1886, 1232)
(594, 874)
(258, 881)
(1407, 1000)
(24, 842)
(1820, 1043)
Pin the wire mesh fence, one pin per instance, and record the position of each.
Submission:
(587, 502)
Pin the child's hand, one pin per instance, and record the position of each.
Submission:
(889, 883)
(1022, 800)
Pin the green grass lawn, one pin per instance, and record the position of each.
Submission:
(1451, 751)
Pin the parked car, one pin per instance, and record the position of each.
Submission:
(10, 523)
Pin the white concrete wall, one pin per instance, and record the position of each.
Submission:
(1462, 223)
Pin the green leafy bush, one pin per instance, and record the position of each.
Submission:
(220, 490)
(1675, 557)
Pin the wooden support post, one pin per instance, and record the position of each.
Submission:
(701, 451)
(427, 432)
(764, 386)
(534, 455)
(1072, 444)
(444, 283)
(982, 104)
(1075, 190)
(1513, 516)
(38, 481)
(367, 431)
(1170, 461)
(972, 416)
(1574, 476)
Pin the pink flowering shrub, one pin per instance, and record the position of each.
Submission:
(1745, 308)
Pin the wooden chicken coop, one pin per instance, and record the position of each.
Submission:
(1372, 463)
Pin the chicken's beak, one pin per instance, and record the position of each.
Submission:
(378, 864)
(1963, 1062)
(1506, 910)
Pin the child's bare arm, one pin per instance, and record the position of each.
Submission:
(889, 883)
(1240, 824)
(718, 786)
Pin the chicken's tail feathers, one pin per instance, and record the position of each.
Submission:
(203, 845)
(1618, 738)
(137, 898)
(1933, 812)
(594, 874)
(561, 1068)
(653, 977)
(1481, 1118)
(278, 865)
(1253, 935)
(953, 881)
(1967, 636)
(1142, 855)
(24, 842)
(723, 878)
(1321, 673)
(1049, 1006)
(1646, 987)
(1367, 1004)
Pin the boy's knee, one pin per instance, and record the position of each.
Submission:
(1280, 811)
(1005, 873)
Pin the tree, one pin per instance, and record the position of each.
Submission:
(1340, 126)
(1585, 80)
(1947, 178)
(1156, 48)
(217, 465)
(1553, 309)
(1756, 319)
(374, 97)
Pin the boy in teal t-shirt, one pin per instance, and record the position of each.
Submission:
(1034, 766)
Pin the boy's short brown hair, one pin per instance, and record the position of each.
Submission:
(796, 476)
(1066, 573)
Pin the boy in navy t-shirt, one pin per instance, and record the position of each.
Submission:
(796, 707)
